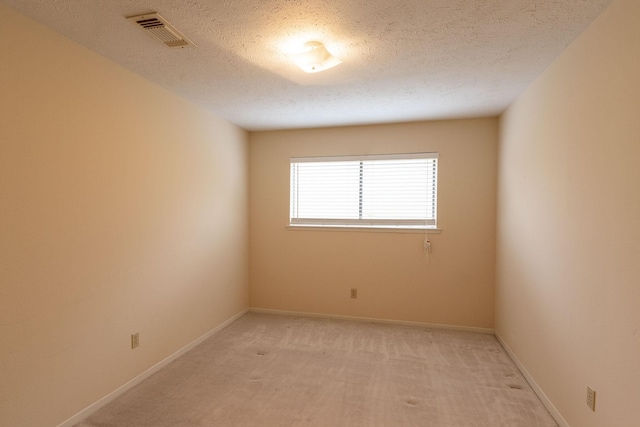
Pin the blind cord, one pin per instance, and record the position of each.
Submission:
(427, 246)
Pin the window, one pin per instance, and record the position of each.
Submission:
(396, 190)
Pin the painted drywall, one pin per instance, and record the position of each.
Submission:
(313, 271)
(568, 241)
(123, 209)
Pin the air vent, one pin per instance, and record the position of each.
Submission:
(158, 27)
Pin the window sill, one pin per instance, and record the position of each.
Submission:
(363, 229)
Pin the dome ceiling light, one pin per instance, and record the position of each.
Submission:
(314, 58)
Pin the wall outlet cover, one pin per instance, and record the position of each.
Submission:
(591, 398)
(135, 340)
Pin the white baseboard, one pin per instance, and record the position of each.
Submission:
(534, 385)
(155, 368)
(373, 320)
(146, 374)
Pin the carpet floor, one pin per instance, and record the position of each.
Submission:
(272, 370)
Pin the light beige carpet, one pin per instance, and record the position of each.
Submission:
(270, 370)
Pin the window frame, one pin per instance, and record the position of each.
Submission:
(364, 224)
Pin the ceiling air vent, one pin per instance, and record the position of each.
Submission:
(158, 27)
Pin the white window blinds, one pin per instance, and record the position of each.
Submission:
(398, 190)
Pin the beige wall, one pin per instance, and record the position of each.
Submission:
(568, 263)
(123, 209)
(313, 271)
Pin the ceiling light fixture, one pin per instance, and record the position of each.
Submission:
(315, 57)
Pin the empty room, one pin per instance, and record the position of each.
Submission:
(320, 213)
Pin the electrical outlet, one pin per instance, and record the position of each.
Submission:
(135, 340)
(591, 398)
(354, 293)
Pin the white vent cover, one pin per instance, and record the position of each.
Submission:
(158, 27)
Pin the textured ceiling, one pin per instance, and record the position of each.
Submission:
(403, 60)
